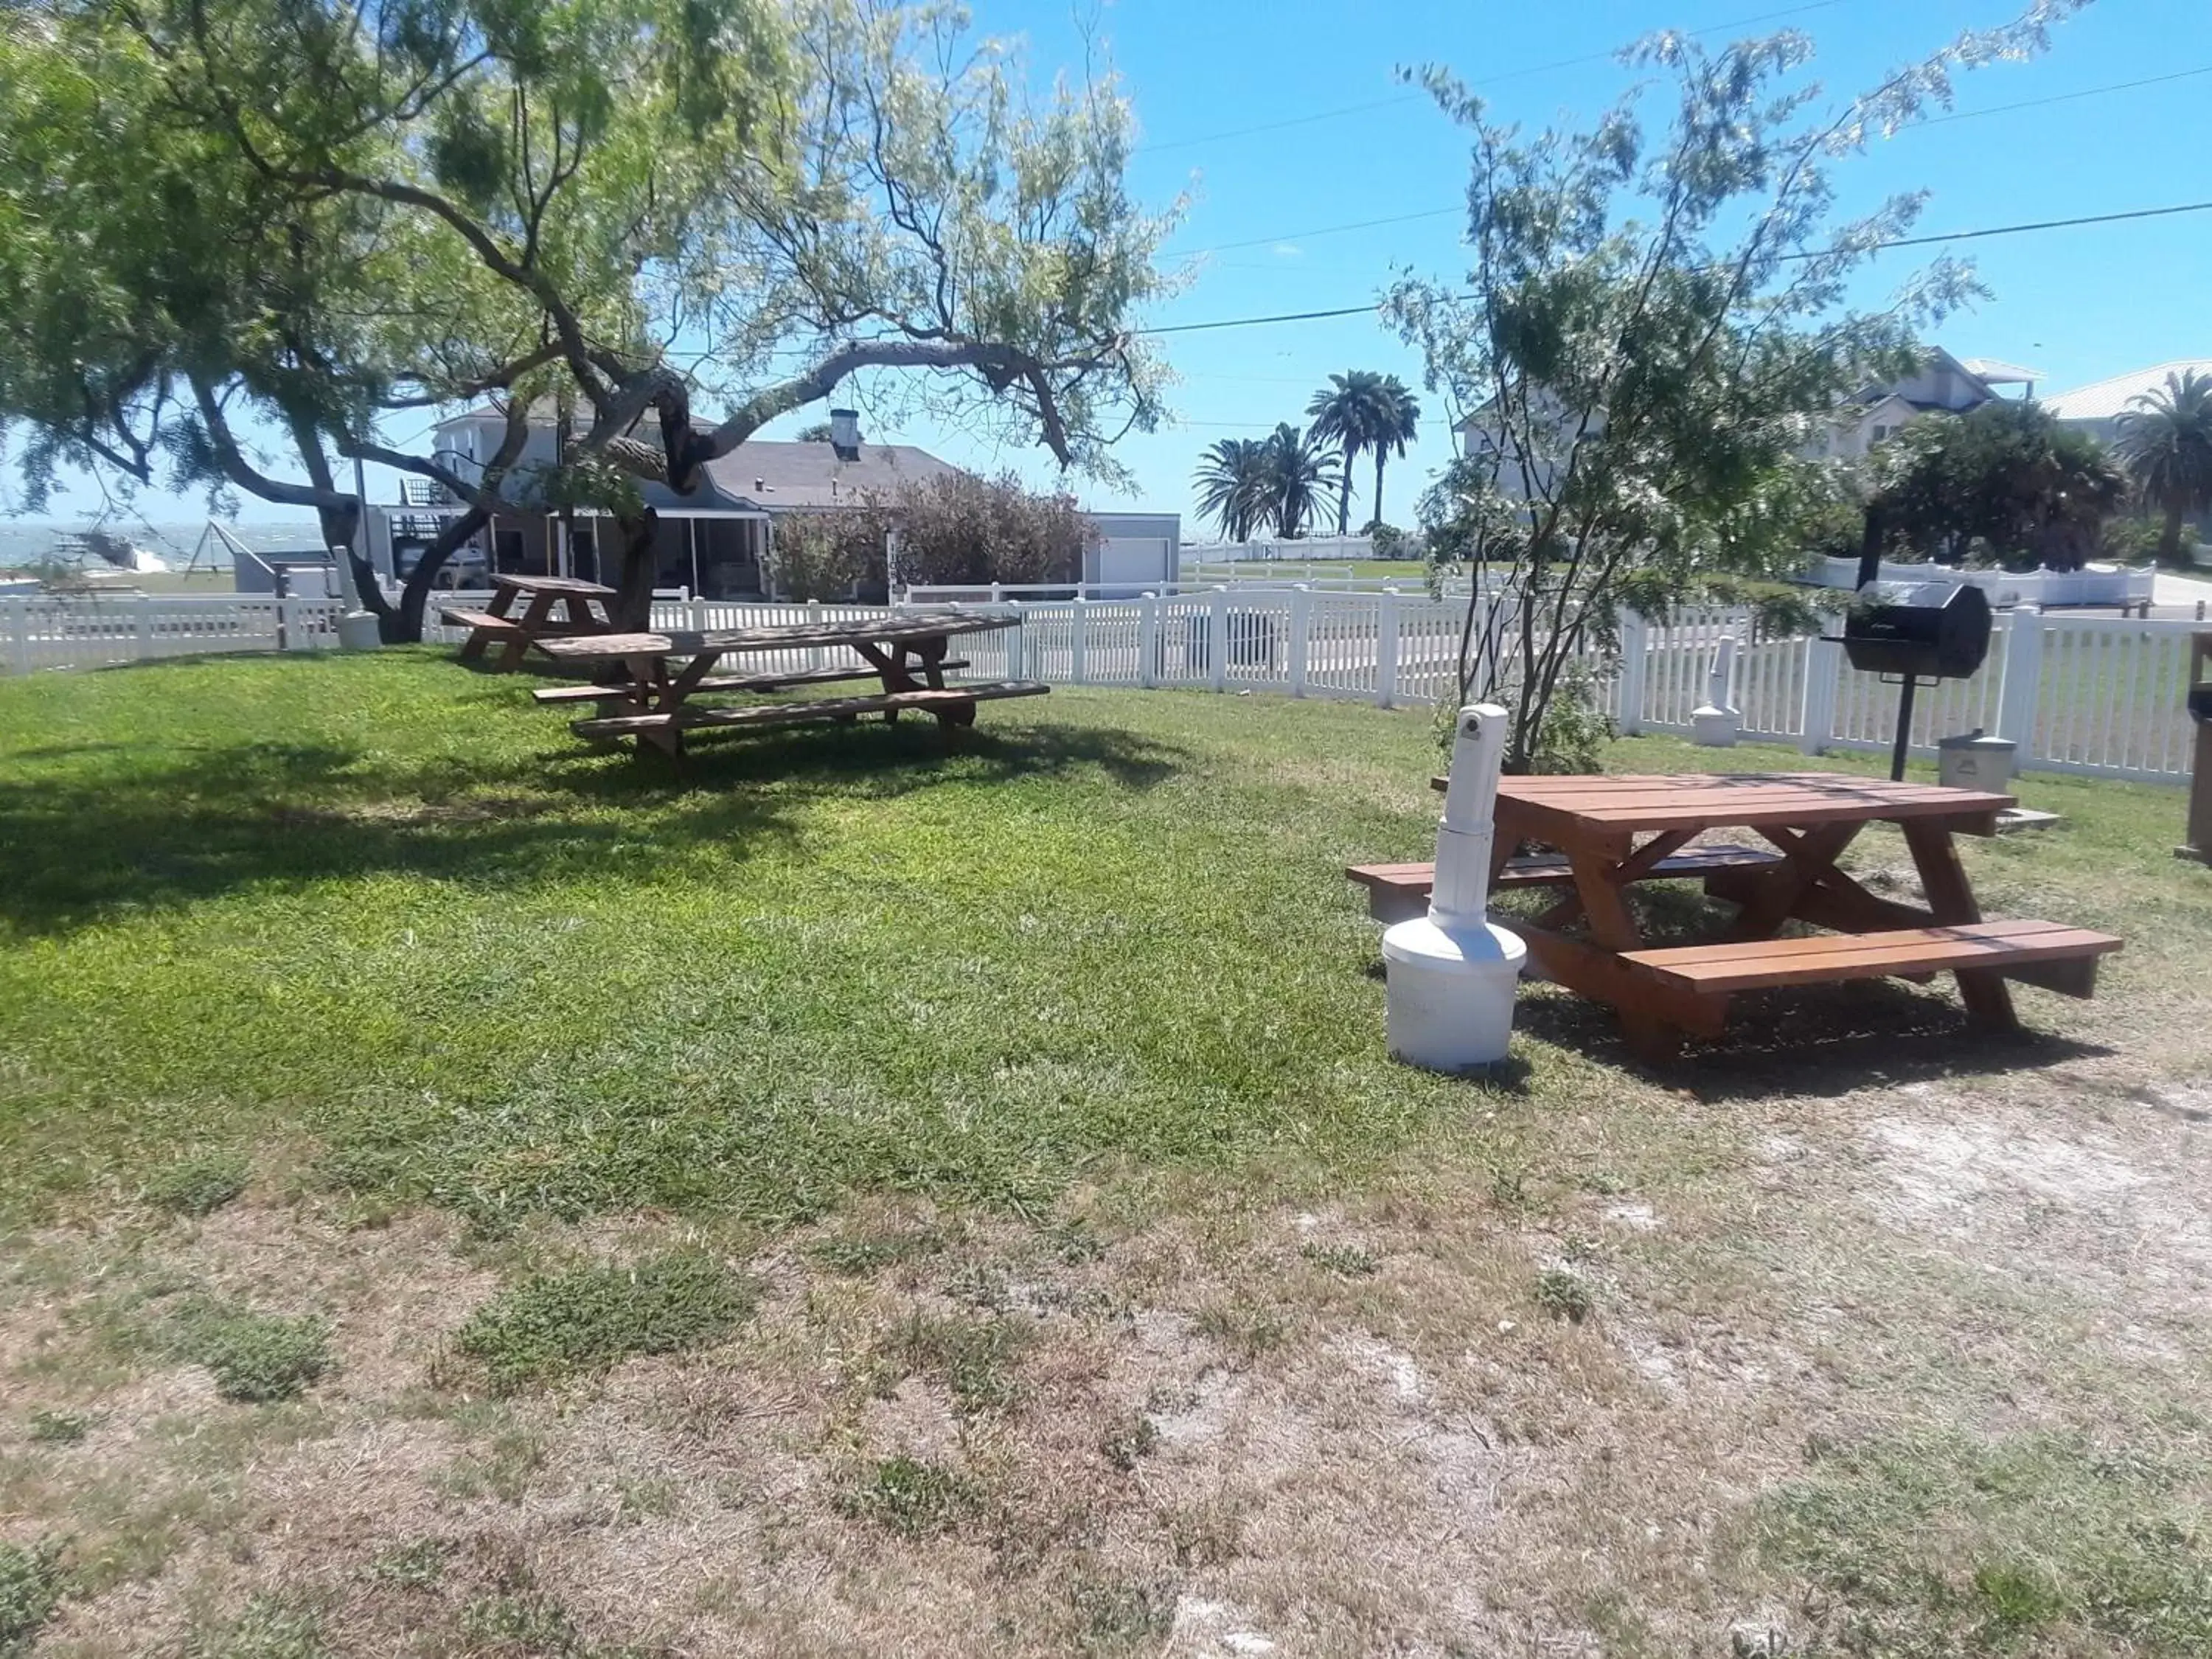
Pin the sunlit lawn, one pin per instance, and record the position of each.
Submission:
(372, 1049)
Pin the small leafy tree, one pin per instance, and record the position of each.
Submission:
(1652, 327)
(2005, 481)
(838, 554)
(960, 531)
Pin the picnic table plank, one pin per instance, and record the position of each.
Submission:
(906, 652)
(1748, 800)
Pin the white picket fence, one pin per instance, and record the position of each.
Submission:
(2094, 695)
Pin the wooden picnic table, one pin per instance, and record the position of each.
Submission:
(585, 603)
(1615, 830)
(908, 655)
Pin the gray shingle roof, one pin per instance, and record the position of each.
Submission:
(794, 475)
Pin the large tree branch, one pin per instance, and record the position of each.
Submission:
(243, 473)
(1002, 365)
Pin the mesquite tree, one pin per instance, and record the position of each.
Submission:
(1652, 329)
(241, 240)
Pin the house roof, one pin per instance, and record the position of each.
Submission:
(1994, 371)
(2102, 400)
(772, 476)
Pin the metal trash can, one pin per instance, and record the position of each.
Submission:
(1970, 761)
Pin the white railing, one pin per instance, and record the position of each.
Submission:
(2100, 695)
(97, 632)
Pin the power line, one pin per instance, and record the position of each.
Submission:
(1323, 230)
(1396, 99)
(1931, 121)
(1810, 253)
(2058, 98)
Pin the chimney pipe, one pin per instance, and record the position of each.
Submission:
(845, 434)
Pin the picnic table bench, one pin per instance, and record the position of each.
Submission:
(1614, 831)
(908, 655)
(584, 603)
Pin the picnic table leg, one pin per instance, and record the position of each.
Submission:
(473, 647)
(1811, 855)
(1950, 897)
(1614, 929)
(532, 623)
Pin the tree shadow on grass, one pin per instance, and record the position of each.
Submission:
(1811, 1040)
(153, 825)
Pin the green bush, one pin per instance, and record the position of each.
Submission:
(834, 556)
(591, 1318)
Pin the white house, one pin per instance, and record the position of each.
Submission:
(2097, 407)
(1874, 412)
(715, 542)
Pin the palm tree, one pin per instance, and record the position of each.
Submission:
(1399, 425)
(1233, 487)
(1361, 410)
(1300, 470)
(2165, 444)
(1343, 412)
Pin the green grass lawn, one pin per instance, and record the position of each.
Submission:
(874, 1186)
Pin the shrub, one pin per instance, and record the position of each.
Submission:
(962, 530)
(593, 1317)
(835, 555)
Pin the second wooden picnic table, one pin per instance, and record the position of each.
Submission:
(1810, 818)
(584, 602)
(909, 656)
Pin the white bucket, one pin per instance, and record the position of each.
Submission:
(1450, 994)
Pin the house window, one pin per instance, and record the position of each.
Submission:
(1881, 432)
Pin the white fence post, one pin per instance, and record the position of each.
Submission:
(1824, 678)
(1635, 659)
(19, 635)
(141, 624)
(1016, 643)
(1079, 639)
(2023, 678)
(1217, 639)
(1386, 649)
(1148, 643)
(698, 608)
(815, 659)
(1301, 633)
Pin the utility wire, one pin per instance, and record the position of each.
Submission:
(1396, 99)
(1810, 253)
(1932, 121)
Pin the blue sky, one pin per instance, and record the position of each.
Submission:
(2078, 304)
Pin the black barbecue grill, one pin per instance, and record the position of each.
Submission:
(1914, 631)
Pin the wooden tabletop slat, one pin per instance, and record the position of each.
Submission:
(553, 585)
(1715, 800)
(778, 636)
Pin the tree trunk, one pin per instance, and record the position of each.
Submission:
(1344, 502)
(632, 610)
(1378, 484)
(2169, 538)
(404, 625)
